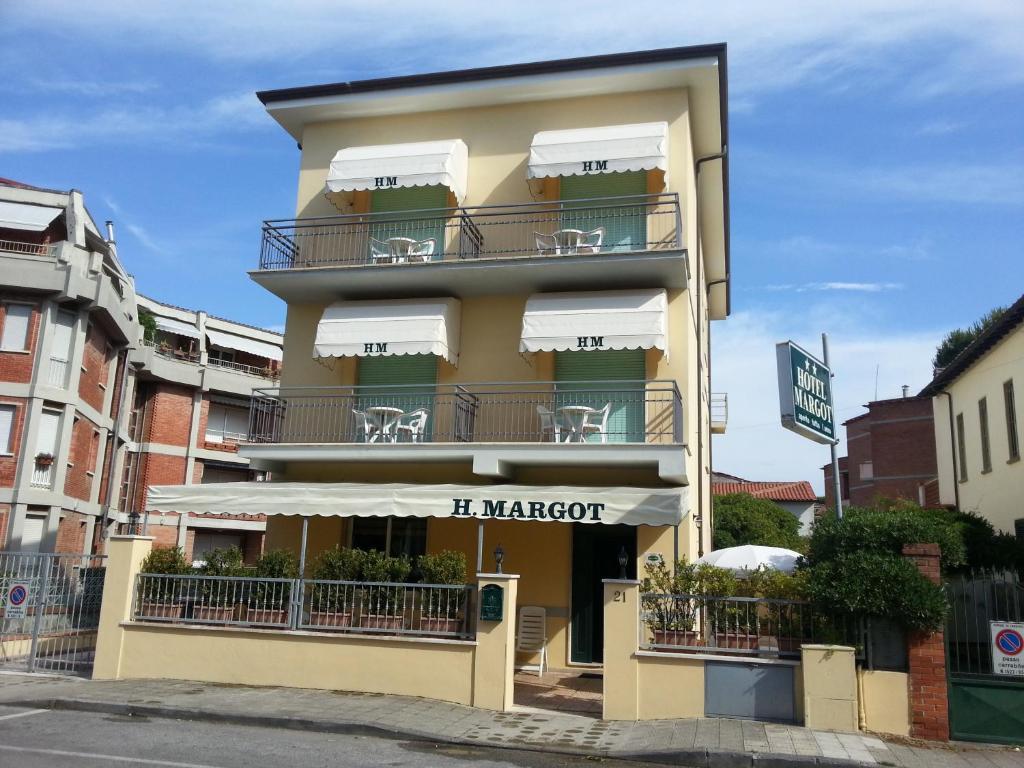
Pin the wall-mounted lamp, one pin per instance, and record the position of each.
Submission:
(499, 555)
(623, 562)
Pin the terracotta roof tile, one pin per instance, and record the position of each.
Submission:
(800, 490)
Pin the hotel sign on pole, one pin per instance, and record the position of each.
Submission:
(805, 393)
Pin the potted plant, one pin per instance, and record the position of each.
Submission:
(784, 618)
(44, 459)
(269, 602)
(669, 612)
(331, 604)
(442, 610)
(218, 600)
(159, 598)
(730, 624)
(384, 597)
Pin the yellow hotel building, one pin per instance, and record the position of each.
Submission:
(500, 287)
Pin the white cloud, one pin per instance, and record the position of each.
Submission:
(755, 445)
(835, 286)
(941, 127)
(184, 124)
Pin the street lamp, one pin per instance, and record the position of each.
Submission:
(499, 555)
(623, 561)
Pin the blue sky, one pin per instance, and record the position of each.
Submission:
(877, 154)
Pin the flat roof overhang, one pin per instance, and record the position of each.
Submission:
(701, 70)
(493, 460)
(483, 277)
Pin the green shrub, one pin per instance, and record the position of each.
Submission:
(878, 584)
(774, 585)
(223, 562)
(380, 567)
(740, 518)
(166, 560)
(886, 528)
(277, 564)
(445, 567)
(339, 565)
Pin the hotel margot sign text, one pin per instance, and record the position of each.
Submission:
(805, 393)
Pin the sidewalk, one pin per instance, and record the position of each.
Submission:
(707, 743)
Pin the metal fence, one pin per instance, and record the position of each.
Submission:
(975, 600)
(434, 610)
(553, 412)
(264, 372)
(547, 228)
(33, 249)
(741, 625)
(53, 626)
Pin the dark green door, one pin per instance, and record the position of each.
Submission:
(401, 224)
(624, 222)
(385, 382)
(579, 376)
(595, 557)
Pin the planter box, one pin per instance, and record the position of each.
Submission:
(736, 642)
(676, 637)
(162, 610)
(373, 621)
(265, 615)
(447, 626)
(213, 613)
(330, 619)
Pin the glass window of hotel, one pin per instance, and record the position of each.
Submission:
(961, 447)
(226, 423)
(14, 336)
(6, 427)
(1012, 437)
(394, 536)
(986, 448)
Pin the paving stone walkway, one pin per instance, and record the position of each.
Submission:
(708, 743)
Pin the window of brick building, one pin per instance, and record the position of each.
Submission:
(986, 448)
(14, 336)
(6, 428)
(1012, 438)
(867, 470)
(1018, 528)
(961, 447)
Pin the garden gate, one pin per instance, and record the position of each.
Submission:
(49, 610)
(983, 705)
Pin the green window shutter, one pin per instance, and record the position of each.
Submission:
(396, 201)
(395, 371)
(626, 418)
(625, 227)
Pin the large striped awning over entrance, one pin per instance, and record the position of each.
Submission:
(566, 504)
(559, 322)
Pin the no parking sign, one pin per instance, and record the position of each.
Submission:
(17, 600)
(1007, 648)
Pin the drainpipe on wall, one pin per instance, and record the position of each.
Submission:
(711, 442)
(700, 380)
(115, 440)
(952, 450)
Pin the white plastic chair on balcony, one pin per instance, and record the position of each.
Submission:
(381, 252)
(367, 426)
(413, 424)
(421, 250)
(532, 636)
(549, 424)
(596, 423)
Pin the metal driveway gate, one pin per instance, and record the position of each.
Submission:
(49, 610)
(983, 706)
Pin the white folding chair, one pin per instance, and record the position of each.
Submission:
(591, 241)
(596, 423)
(414, 424)
(549, 424)
(532, 636)
(422, 250)
(367, 426)
(547, 245)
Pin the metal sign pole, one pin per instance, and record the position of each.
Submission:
(836, 484)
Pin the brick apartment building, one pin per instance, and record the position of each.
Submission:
(890, 454)
(195, 374)
(72, 350)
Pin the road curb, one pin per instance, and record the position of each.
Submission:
(691, 758)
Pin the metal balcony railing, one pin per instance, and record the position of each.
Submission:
(33, 249)
(719, 411)
(526, 412)
(164, 349)
(265, 372)
(549, 228)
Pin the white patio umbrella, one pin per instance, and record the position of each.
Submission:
(750, 557)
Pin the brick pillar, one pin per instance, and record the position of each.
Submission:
(926, 654)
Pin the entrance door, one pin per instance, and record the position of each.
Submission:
(595, 557)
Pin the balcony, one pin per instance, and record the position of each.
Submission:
(494, 426)
(719, 412)
(615, 241)
(46, 250)
(262, 371)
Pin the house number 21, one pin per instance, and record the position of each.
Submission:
(619, 596)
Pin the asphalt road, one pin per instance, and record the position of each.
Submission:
(60, 739)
